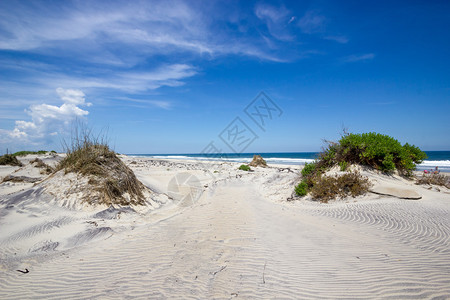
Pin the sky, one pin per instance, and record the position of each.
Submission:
(223, 76)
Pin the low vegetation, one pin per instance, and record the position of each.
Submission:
(23, 153)
(9, 159)
(38, 163)
(245, 168)
(434, 179)
(328, 187)
(108, 175)
(374, 150)
(301, 189)
(258, 161)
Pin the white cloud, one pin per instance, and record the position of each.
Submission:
(75, 97)
(131, 81)
(337, 38)
(91, 29)
(47, 120)
(277, 20)
(362, 57)
(164, 104)
(312, 22)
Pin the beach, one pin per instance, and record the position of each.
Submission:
(211, 231)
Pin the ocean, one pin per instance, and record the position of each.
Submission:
(440, 159)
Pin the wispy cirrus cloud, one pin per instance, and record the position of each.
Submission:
(132, 50)
(312, 22)
(337, 38)
(163, 104)
(144, 28)
(359, 57)
(277, 19)
(131, 82)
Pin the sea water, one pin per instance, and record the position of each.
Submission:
(440, 159)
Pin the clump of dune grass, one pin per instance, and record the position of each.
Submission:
(9, 159)
(328, 187)
(434, 179)
(46, 169)
(110, 179)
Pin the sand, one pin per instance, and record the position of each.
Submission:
(236, 236)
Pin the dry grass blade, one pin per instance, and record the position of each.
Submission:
(436, 179)
(349, 184)
(9, 159)
(90, 155)
(46, 169)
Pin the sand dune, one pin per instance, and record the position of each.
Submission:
(240, 239)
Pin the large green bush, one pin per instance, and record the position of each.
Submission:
(379, 151)
(375, 150)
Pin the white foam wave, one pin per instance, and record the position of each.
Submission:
(436, 163)
(171, 156)
(284, 160)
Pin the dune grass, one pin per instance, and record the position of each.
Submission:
(91, 156)
(374, 150)
(23, 153)
(434, 179)
(9, 159)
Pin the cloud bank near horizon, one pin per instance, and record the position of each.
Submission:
(47, 121)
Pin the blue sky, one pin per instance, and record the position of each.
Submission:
(170, 76)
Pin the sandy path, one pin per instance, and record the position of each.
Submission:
(234, 243)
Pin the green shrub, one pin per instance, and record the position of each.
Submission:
(343, 165)
(301, 189)
(9, 159)
(23, 153)
(379, 151)
(245, 168)
(308, 169)
(376, 150)
(349, 184)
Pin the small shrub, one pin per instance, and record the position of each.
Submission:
(308, 169)
(46, 169)
(301, 189)
(10, 159)
(245, 168)
(258, 161)
(343, 165)
(436, 179)
(329, 187)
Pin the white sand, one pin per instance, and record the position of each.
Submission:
(241, 238)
